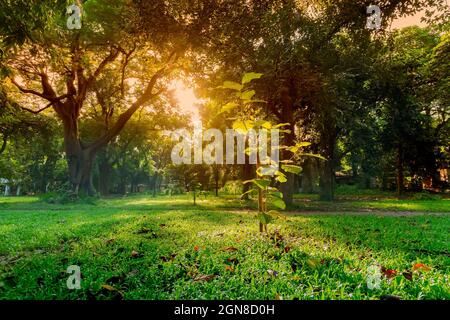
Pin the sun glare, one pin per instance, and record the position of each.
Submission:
(186, 99)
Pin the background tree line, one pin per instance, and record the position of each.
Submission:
(86, 109)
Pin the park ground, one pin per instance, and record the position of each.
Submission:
(140, 247)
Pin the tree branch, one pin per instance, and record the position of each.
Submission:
(24, 90)
(37, 111)
(126, 115)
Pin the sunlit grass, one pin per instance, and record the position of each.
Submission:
(319, 257)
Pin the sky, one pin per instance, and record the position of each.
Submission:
(408, 21)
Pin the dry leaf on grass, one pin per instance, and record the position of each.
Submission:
(205, 277)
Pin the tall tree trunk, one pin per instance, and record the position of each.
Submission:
(307, 177)
(326, 180)
(104, 174)
(400, 176)
(155, 183)
(79, 160)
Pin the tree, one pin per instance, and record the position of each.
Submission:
(61, 67)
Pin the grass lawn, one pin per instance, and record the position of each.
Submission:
(165, 248)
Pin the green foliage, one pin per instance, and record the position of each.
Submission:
(64, 195)
(424, 195)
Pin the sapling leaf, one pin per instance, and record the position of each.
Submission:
(232, 85)
(250, 76)
(291, 168)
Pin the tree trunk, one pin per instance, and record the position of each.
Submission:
(307, 177)
(400, 177)
(154, 184)
(326, 180)
(79, 160)
(104, 174)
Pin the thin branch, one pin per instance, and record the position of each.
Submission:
(37, 111)
(24, 90)
(110, 58)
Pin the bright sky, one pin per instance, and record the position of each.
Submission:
(409, 21)
(186, 99)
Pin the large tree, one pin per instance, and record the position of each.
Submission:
(60, 68)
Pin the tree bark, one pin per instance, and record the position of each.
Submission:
(400, 176)
(327, 181)
(307, 177)
(327, 177)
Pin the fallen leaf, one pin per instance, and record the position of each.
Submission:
(106, 287)
(272, 272)
(135, 254)
(229, 249)
(408, 275)
(389, 273)
(421, 266)
(205, 277)
(287, 249)
(196, 248)
(233, 260)
(110, 241)
(278, 297)
(229, 268)
(162, 225)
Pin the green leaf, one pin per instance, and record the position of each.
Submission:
(291, 168)
(229, 106)
(255, 101)
(248, 192)
(247, 95)
(232, 85)
(279, 203)
(294, 149)
(248, 77)
(277, 194)
(312, 155)
(243, 126)
(261, 183)
(281, 125)
(281, 177)
(263, 123)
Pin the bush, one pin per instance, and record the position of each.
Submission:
(65, 195)
(425, 195)
(232, 187)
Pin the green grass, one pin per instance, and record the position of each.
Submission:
(321, 256)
